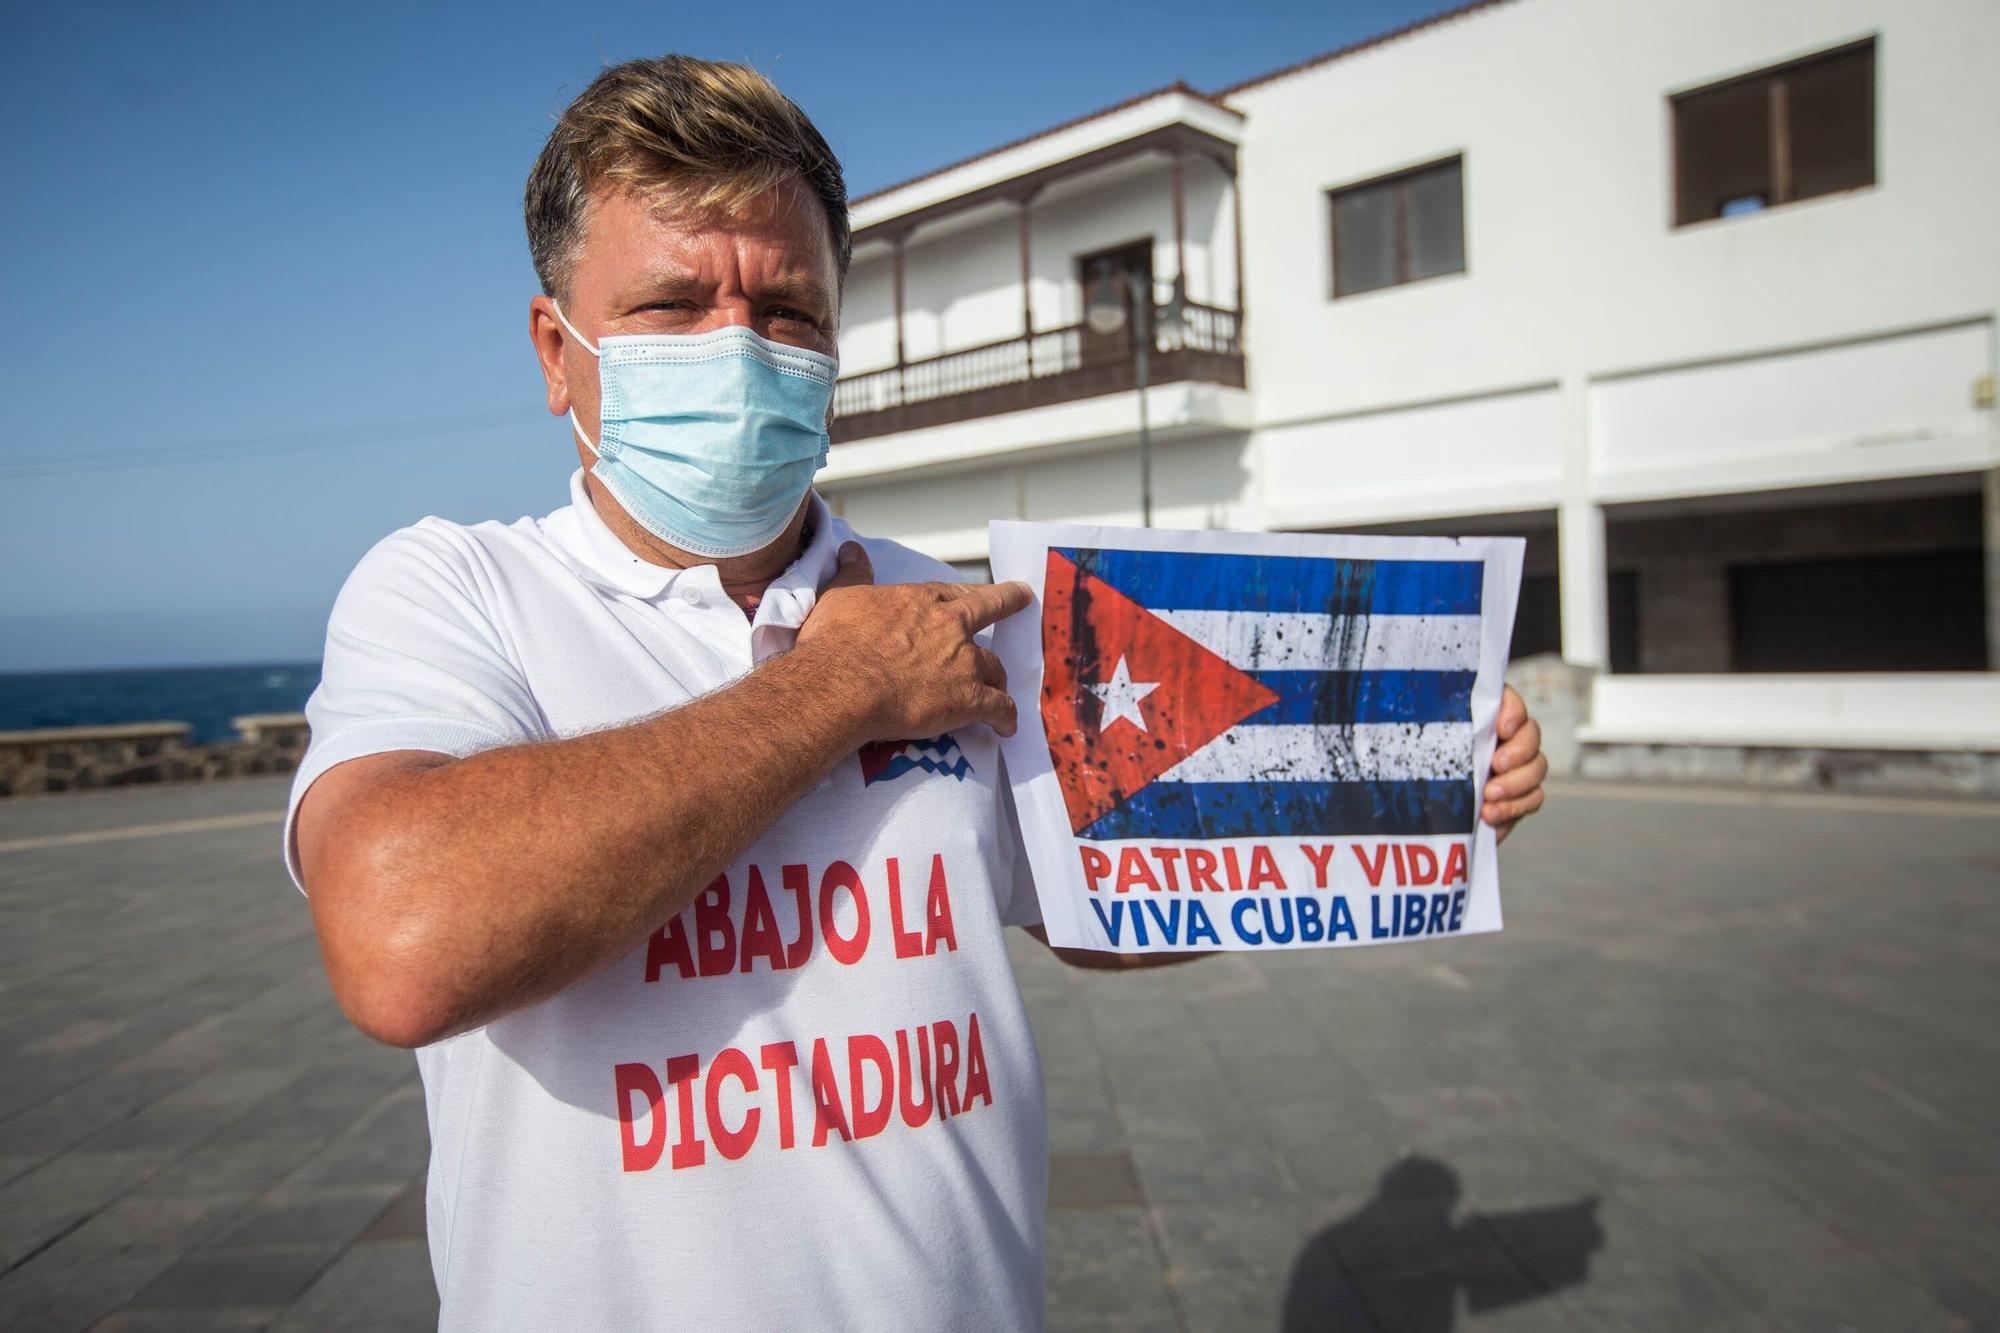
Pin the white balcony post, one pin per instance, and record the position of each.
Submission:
(1180, 235)
(1027, 281)
(901, 361)
(1236, 235)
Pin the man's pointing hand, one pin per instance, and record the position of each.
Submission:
(907, 652)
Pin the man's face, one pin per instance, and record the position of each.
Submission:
(642, 269)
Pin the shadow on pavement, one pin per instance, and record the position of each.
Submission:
(1400, 1260)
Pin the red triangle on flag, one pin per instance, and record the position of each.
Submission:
(1107, 659)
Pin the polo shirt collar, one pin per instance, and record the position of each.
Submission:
(595, 546)
(793, 594)
(785, 605)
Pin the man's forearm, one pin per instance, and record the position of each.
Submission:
(457, 891)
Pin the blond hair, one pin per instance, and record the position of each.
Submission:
(702, 135)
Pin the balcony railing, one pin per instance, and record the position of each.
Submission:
(1051, 366)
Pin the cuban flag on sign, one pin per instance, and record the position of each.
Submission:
(1198, 695)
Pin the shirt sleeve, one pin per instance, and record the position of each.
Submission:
(413, 662)
(1022, 907)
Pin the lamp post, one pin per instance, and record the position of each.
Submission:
(1116, 305)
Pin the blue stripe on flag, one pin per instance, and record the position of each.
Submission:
(1202, 581)
(1291, 809)
(1333, 698)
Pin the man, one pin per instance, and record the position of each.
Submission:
(713, 1030)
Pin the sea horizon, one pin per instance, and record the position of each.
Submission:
(245, 664)
(207, 698)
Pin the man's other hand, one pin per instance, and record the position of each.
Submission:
(1515, 790)
(908, 649)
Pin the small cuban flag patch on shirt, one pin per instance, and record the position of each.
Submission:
(1211, 695)
(885, 761)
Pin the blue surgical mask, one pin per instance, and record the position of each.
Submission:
(708, 440)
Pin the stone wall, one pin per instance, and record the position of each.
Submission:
(1558, 697)
(1898, 772)
(61, 759)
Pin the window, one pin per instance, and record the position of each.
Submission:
(1921, 612)
(1123, 275)
(1399, 228)
(1803, 129)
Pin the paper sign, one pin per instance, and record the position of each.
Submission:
(1255, 741)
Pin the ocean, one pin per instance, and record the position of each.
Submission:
(206, 697)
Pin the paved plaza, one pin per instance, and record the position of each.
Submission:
(1733, 1064)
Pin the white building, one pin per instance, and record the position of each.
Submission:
(1699, 296)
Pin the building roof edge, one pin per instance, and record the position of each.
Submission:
(1217, 99)
(1177, 86)
(1354, 48)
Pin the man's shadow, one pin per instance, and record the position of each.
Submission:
(1400, 1261)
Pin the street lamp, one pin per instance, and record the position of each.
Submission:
(1115, 305)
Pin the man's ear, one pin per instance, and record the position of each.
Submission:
(549, 337)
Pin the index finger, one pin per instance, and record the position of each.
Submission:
(984, 603)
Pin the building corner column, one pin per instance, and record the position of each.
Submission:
(1583, 576)
(1585, 583)
(1991, 488)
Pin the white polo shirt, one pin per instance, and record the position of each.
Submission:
(810, 1101)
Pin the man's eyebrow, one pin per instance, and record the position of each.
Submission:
(798, 288)
(670, 282)
(664, 282)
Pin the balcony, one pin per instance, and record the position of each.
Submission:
(1040, 370)
(969, 287)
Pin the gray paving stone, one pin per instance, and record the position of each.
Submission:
(45, 1296)
(108, 1258)
(247, 1164)
(1474, 1289)
(1090, 1131)
(1832, 1286)
(1180, 1111)
(1093, 1181)
(60, 1194)
(379, 1287)
(1672, 1298)
(190, 1319)
(403, 1219)
(1246, 1300)
(1104, 1273)
(386, 1146)
(1720, 1218)
(1221, 1238)
(287, 1216)
(42, 816)
(235, 1287)
(1595, 1240)
(1212, 1170)
(1776, 1087)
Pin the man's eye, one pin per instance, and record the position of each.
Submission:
(788, 312)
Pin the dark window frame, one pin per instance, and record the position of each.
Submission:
(1400, 178)
(1096, 345)
(1782, 191)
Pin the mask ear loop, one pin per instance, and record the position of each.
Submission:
(587, 346)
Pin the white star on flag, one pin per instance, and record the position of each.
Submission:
(1120, 697)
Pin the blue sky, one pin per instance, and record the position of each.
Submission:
(296, 230)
